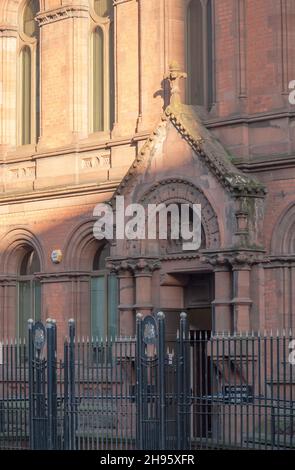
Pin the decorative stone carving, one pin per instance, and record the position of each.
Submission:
(135, 266)
(234, 259)
(101, 161)
(22, 173)
(174, 75)
(58, 14)
(177, 190)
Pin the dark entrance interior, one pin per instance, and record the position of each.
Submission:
(198, 294)
(198, 300)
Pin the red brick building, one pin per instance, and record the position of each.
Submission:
(85, 113)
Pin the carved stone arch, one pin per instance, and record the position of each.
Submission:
(177, 190)
(81, 247)
(13, 247)
(283, 236)
(9, 11)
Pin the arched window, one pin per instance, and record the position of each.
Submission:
(29, 291)
(26, 95)
(104, 297)
(200, 53)
(102, 47)
(29, 74)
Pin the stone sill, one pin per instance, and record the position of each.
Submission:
(94, 142)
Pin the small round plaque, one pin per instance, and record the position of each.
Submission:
(39, 336)
(56, 256)
(149, 328)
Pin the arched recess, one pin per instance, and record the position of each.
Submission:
(13, 247)
(81, 247)
(22, 261)
(9, 11)
(97, 286)
(179, 191)
(283, 236)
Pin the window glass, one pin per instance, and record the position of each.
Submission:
(103, 7)
(26, 95)
(30, 26)
(98, 80)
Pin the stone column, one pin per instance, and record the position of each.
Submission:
(8, 87)
(222, 306)
(143, 272)
(242, 302)
(124, 272)
(126, 302)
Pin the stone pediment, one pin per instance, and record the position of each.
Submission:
(182, 161)
(206, 147)
(187, 121)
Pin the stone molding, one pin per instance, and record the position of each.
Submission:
(8, 31)
(63, 13)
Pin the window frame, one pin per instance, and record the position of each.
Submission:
(209, 97)
(105, 24)
(29, 279)
(104, 274)
(32, 43)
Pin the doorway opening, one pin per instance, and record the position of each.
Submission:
(198, 297)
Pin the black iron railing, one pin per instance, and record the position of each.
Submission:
(199, 391)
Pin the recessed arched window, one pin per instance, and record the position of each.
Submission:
(29, 291)
(98, 80)
(200, 53)
(102, 38)
(103, 8)
(29, 74)
(26, 95)
(104, 297)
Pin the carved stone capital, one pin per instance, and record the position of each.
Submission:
(120, 267)
(235, 260)
(146, 266)
(141, 266)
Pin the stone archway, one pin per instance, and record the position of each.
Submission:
(179, 191)
(283, 237)
(20, 292)
(14, 245)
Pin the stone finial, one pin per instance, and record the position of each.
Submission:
(174, 76)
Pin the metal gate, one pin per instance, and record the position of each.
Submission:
(200, 391)
(162, 386)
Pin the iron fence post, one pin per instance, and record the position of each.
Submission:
(161, 379)
(49, 384)
(31, 384)
(139, 383)
(66, 443)
(54, 376)
(72, 427)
